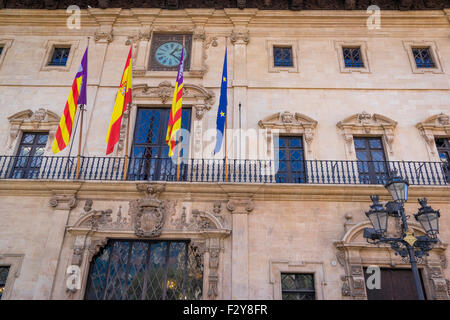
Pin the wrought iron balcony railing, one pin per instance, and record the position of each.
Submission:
(214, 170)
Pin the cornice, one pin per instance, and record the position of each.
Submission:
(126, 190)
(250, 18)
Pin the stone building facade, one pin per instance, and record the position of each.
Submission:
(245, 234)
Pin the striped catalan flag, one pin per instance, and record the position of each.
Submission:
(123, 99)
(77, 96)
(175, 112)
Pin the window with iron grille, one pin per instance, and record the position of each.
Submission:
(352, 57)
(297, 286)
(59, 56)
(27, 162)
(4, 271)
(282, 56)
(423, 58)
(146, 270)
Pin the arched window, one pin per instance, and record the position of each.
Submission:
(145, 270)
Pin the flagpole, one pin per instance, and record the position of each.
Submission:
(226, 121)
(82, 108)
(179, 145)
(125, 168)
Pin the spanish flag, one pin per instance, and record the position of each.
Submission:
(77, 96)
(175, 113)
(123, 99)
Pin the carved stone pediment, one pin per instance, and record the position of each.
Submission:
(27, 120)
(432, 127)
(367, 124)
(287, 121)
(192, 94)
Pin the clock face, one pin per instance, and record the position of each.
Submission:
(168, 54)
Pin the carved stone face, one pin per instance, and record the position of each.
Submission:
(287, 117)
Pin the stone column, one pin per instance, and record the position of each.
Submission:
(239, 248)
(62, 204)
(240, 39)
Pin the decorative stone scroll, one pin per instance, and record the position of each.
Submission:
(288, 122)
(366, 124)
(39, 120)
(433, 127)
(354, 253)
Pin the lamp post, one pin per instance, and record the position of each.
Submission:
(408, 245)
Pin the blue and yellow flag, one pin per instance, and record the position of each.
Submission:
(222, 112)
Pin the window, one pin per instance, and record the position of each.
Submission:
(59, 56)
(372, 167)
(150, 153)
(443, 147)
(297, 286)
(1, 50)
(352, 57)
(28, 160)
(291, 165)
(145, 270)
(165, 52)
(4, 271)
(423, 58)
(282, 56)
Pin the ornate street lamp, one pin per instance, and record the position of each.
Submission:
(398, 188)
(428, 218)
(407, 246)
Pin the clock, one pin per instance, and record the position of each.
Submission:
(165, 52)
(168, 54)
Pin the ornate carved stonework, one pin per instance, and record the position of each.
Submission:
(39, 120)
(434, 126)
(105, 37)
(63, 201)
(241, 4)
(240, 37)
(366, 124)
(192, 94)
(354, 253)
(240, 206)
(147, 216)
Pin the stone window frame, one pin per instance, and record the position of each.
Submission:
(433, 127)
(6, 44)
(409, 45)
(14, 262)
(366, 125)
(293, 124)
(362, 45)
(41, 120)
(293, 44)
(277, 267)
(50, 46)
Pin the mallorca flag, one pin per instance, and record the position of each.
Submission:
(77, 96)
(123, 99)
(175, 113)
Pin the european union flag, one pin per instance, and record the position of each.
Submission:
(222, 112)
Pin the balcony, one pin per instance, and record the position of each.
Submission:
(217, 170)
